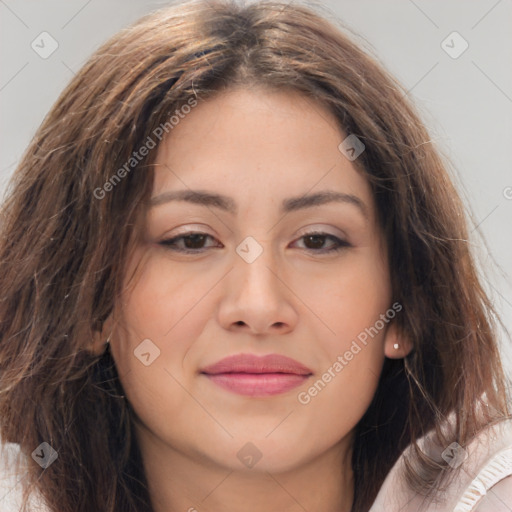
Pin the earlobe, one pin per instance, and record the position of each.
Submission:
(102, 334)
(396, 345)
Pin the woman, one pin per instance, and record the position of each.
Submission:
(235, 276)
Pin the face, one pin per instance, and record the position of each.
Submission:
(261, 245)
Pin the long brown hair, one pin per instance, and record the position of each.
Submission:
(64, 247)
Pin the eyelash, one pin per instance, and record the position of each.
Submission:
(170, 243)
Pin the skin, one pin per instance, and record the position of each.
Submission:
(498, 498)
(257, 147)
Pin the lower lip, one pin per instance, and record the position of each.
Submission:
(258, 384)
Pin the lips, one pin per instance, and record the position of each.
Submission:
(252, 375)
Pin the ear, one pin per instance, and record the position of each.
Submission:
(396, 345)
(101, 334)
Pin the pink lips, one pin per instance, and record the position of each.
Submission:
(251, 375)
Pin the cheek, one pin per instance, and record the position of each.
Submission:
(348, 300)
(352, 305)
(165, 303)
(158, 322)
(336, 401)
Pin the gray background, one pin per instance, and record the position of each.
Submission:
(466, 102)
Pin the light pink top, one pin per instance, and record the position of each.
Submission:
(482, 464)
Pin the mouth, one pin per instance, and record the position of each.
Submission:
(257, 376)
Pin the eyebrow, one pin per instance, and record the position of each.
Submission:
(291, 204)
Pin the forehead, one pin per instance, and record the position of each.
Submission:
(258, 144)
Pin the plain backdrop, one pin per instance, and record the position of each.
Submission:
(465, 100)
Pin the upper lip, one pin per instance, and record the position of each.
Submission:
(250, 363)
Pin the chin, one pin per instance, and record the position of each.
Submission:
(261, 455)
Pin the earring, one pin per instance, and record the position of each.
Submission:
(396, 346)
(108, 339)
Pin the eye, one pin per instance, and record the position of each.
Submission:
(193, 242)
(316, 242)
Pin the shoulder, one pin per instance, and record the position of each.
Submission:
(491, 489)
(498, 498)
(12, 479)
(483, 475)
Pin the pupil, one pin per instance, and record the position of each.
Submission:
(318, 241)
(194, 241)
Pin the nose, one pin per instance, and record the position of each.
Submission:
(257, 299)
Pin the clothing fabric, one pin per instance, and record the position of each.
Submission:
(478, 467)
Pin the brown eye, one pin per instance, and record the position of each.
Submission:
(188, 243)
(323, 242)
(314, 241)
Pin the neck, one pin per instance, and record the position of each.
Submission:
(185, 482)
